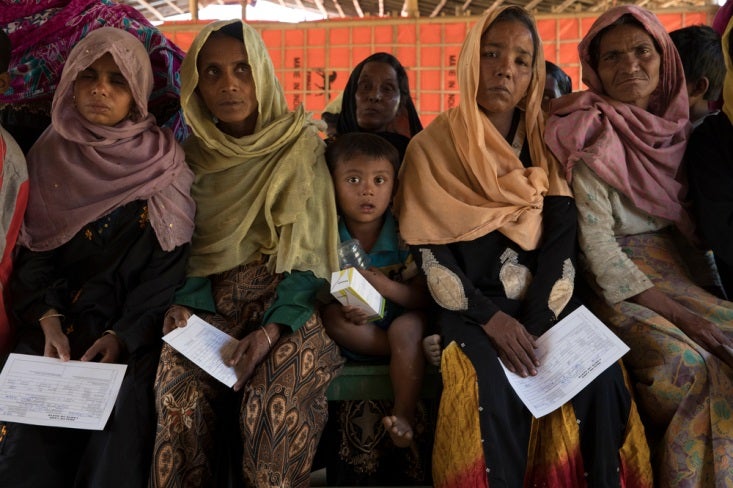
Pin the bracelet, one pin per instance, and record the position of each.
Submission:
(264, 331)
(51, 315)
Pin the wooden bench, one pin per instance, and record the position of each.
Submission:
(370, 381)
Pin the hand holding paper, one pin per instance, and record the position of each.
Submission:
(207, 347)
(572, 354)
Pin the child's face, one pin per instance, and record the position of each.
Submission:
(102, 94)
(363, 188)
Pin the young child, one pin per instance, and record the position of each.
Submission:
(13, 197)
(701, 53)
(363, 169)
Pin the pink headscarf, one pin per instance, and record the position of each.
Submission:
(80, 171)
(638, 152)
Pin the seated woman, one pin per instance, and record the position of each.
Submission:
(377, 99)
(42, 35)
(709, 160)
(621, 143)
(492, 223)
(265, 241)
(104, 246)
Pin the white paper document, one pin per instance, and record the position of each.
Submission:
(47, 391)
(572, 354)
(206, 346)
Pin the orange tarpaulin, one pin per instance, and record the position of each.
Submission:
(313, 59)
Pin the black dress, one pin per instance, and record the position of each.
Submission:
(111, 276)
(496, 274)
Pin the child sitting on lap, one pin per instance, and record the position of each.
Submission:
(363, 168)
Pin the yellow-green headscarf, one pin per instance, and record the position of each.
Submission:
(268, 194)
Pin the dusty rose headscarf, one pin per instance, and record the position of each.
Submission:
(638, 152)
(461, 179)
(80, 171)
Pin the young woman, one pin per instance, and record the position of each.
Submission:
(103, 247)
(492, 224)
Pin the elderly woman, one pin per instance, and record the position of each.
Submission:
(377, 99)
(621, 143)
(264, 242)
(103, 248)
(492, 223)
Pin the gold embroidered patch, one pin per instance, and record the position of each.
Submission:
(514, 277)
(563, 288)
(444, 285)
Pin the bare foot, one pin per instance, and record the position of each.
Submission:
(431, 348)
(398, 429)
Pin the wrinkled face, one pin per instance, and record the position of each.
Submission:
(507, 51)
(551, 92)
(363, 188)
(377, 97)
(102, 95)
(628, 64)
(226, 84)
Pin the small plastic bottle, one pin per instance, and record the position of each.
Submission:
(352, 255)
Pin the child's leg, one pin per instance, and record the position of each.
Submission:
(362, 339)
(406, 369)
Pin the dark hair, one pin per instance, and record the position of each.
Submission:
(519, 14)
(627, 19)
(347, 118)
(564, 83)
(5, 51)
(701, 53)
(347, 146)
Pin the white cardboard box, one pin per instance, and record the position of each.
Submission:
(351, 288)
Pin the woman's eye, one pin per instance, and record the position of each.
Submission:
(243, 68)
(211, 71)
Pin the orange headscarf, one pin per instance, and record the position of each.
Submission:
(461, 179)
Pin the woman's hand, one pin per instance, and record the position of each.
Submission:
(513, 343)
(175, 316)
(57, 343)
(700, 330)
(109, 347)
(707, 335)
(251, 350)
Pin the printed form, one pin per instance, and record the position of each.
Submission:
(206, 346)
(572, 354)
(47, 391)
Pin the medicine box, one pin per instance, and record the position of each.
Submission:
(351, 288)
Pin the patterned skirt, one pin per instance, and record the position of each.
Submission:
(281, 414)
(685, 394)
